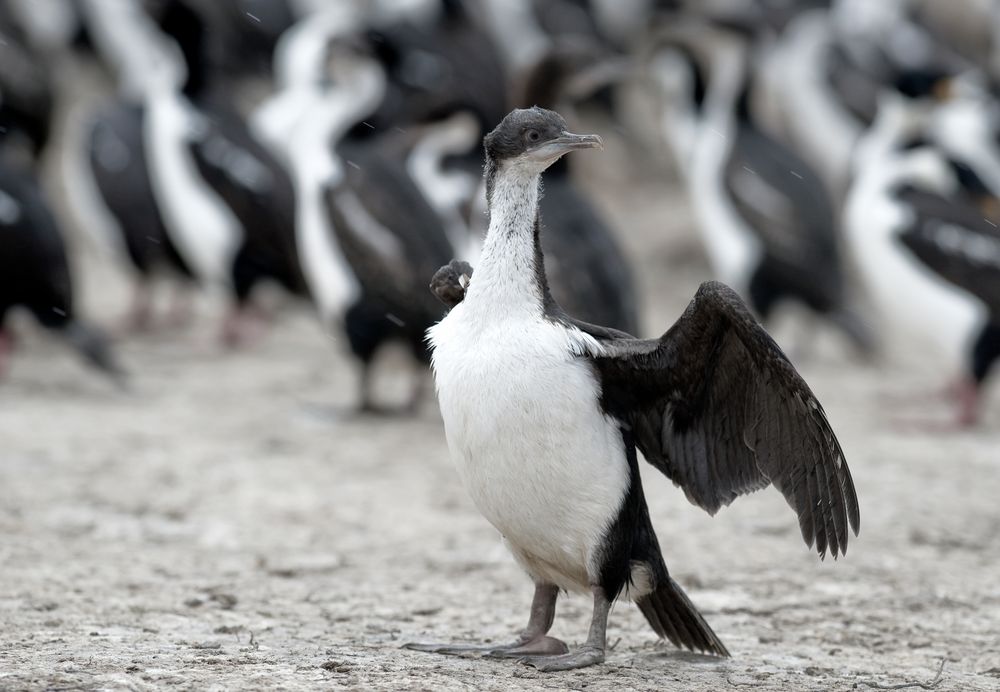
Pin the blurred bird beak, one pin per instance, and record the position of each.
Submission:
(563, 144)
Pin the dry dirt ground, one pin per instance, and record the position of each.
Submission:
(230, 524)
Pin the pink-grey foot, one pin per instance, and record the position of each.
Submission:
(532, 642)
(591, 653)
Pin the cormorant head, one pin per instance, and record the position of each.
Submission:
(532, 139)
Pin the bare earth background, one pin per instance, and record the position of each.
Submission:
(230, 524)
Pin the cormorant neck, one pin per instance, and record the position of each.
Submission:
(511, 270)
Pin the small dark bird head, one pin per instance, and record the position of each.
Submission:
(533, 139)
(450, 282)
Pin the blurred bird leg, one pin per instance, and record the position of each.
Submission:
(6, 348)
(366, 400)
(139, 318)
(533, 640)
(243, 326)
(181, 310)
(966, 397)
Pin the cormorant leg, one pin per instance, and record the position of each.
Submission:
(967, 395)
(181, 311)
(587, 655)
(366, 399)
(139, 318)
(6, 348)
(533, 640)
(241, 326)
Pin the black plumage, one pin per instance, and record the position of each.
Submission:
(717, 407)
(588, 271)
(244, 174)
(434, 70)
(955, 241)
(790, 212)
(258, 190)
(788, 208)
(34, 271)
(393, 240)
(27, 101)
(120, 168)
(631, 540)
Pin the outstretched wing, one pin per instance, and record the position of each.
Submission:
(716, 406)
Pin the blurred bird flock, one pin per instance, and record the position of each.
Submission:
(253, 159)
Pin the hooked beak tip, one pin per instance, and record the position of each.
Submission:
(570, 141)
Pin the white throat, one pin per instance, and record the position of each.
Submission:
(507, 275)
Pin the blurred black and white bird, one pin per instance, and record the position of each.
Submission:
(924, 229)
(766, 219)
(220, 206)
(367, 235)
(35, 273)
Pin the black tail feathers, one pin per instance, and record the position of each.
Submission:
(673, 616)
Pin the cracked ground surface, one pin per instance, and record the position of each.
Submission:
(230, 524)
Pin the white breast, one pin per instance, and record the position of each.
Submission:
(205, 230)
(918, 304)
(540, 459)
(823, 130)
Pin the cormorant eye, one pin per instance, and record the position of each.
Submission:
(532, 135)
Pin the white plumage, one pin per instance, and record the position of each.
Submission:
(521, 410)
(911, 297)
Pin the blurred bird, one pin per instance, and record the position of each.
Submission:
(223, 204)
(924, 230)
(35, 275)
(766, 219)
(26, 95)
(119, 181)
(368, 237)
(544, 415)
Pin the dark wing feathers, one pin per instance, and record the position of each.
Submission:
(717, 407)
(955, 241)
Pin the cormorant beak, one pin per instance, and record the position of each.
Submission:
(563, 144)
